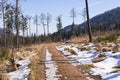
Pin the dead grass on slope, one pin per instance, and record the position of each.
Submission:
(68, 71)
(5, 63)
(79, 39)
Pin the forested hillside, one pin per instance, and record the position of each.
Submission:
(107, 21)
(107, 18)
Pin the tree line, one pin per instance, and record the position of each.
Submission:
(14, 22)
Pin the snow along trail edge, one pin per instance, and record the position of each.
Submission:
(108, 68)
(23, 71)
(51, 67)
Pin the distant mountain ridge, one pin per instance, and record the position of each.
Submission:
(108, 17)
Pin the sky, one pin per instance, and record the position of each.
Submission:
(63, 7)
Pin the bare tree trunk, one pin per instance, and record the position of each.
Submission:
(36, 29)
(44, 30)
(73, 29)
(11, 38)
(23, 36)
(29, 29)
(4, 23)
(48, 22)
(43, 19)
(73, 13)
(16, 23)
(88, 22)
(13, 60)
(29, 26)
(27, 32)
(48, 28)
(47, 31)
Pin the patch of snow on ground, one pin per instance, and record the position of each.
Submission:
(83, 57)
(20, 74)
(103, 68)
(112, 76)
(23, 70)
(62, 48)
(51, 67)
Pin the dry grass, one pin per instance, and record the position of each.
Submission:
(85, 69)
(79, 39)
(5, 63)
(3, 68)
(98, 59)
(5, 76)
(85, 49)
(71, 51)
(38, 69)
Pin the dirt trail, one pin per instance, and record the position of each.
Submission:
(38, 68)
(68, 71)
(42, 65)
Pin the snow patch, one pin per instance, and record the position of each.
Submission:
(106, 68)
(23, 70)
(51, 67)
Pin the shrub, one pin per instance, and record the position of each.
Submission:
(66, 49)
(4, 53)
(116, 48)
(118, 67)
(99, 58)
(84, 48)
(101, 55)
(110, 38)
(71, 51)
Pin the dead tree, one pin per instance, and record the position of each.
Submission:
(88, 22)
(17, 25)
(73, 15)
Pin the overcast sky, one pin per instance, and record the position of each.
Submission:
(63, 7)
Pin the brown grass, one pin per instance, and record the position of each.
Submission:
(85, 69)
(38, 69)
(5, 63)
(4, 76)
(71, 51)
(79, 39)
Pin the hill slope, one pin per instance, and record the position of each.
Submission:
(108, 17)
